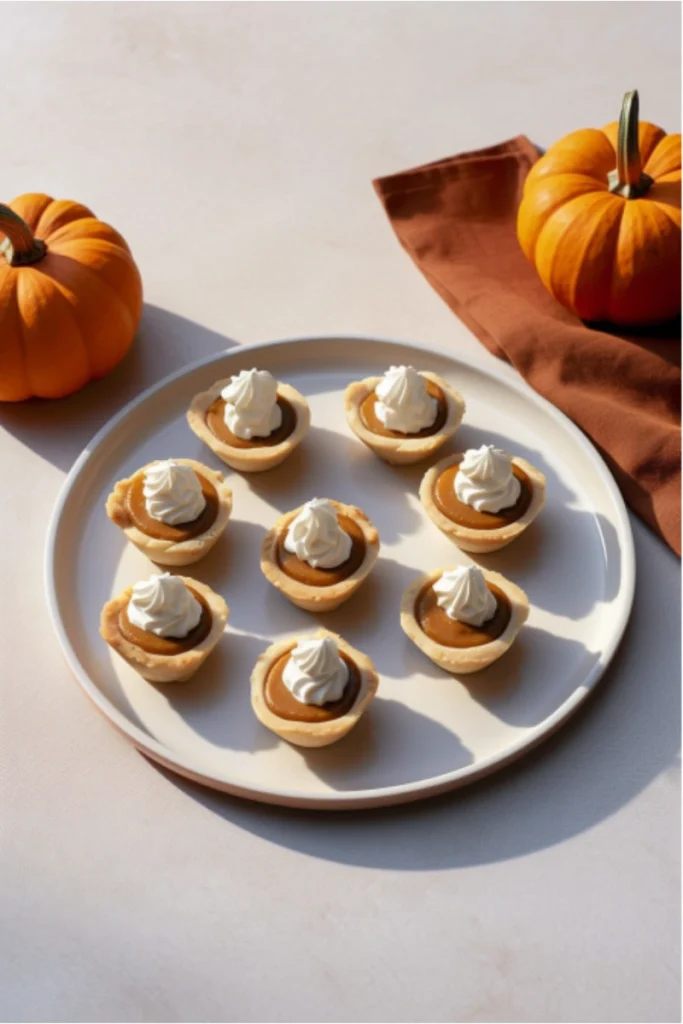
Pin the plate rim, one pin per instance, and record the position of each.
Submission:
(378, 796)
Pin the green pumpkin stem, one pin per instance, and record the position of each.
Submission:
(20, 247)
(628, 179)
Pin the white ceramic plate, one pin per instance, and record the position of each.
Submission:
(426, 731)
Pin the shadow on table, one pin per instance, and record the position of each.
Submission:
(396, 732)
(623, 738)
(58, 430)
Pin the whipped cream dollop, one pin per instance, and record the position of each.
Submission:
(164, 606)
(173, 493)
(464, 595)
(316, 537)
(315, 673)
(485, 480)
(251, 408)
(404, 404)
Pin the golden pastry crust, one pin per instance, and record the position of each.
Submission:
(164, 668)
(318, 599)
(398, 450)
(311, 734)
(168, 552)
(481, 541)
(464, 660)
(249, 460)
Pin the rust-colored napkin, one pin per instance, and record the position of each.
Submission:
(456, 218)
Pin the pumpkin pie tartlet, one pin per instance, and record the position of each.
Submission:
(251, 421)
(405, 416)
(173, 510)
(482, 498)
(165, 627)
(320, 553)
(463, 618)
(312, 689)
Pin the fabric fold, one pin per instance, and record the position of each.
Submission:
(457, 220)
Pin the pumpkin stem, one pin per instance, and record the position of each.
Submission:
(628, 180)
(20, 247)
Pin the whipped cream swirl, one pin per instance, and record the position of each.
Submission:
(464, 595)
(315, 673)
(404, 403)
(316, 537)
(251, 408)
(173, 493)
(485, 480)
(164, 606)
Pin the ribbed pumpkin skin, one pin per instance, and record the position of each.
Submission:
(70, 317)
(605, 257)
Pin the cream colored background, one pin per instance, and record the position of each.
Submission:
(233, 145)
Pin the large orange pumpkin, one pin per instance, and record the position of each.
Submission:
(70, 298)
(600, 219)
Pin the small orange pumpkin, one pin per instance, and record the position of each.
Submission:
(70, 298)
(600, 219)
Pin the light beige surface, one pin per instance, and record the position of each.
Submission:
(233, 146)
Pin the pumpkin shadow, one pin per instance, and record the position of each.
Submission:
(58, 429)
(662, 340)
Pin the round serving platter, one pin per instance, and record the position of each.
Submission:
(426, 731)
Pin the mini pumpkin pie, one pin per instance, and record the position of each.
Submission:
(311, 690)
(164, 627)
(482, 499)
(463, 618)
(173, 510)
(251, 421)
(404, 416)
(319, 554)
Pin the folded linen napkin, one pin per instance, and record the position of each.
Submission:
(456, 218)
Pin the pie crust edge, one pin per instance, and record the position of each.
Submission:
(168, 552)
(164, 668)
(468, 538)
(402, 451)
(311, 598)
(464, 660)
(311, 734)
(249, 460)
